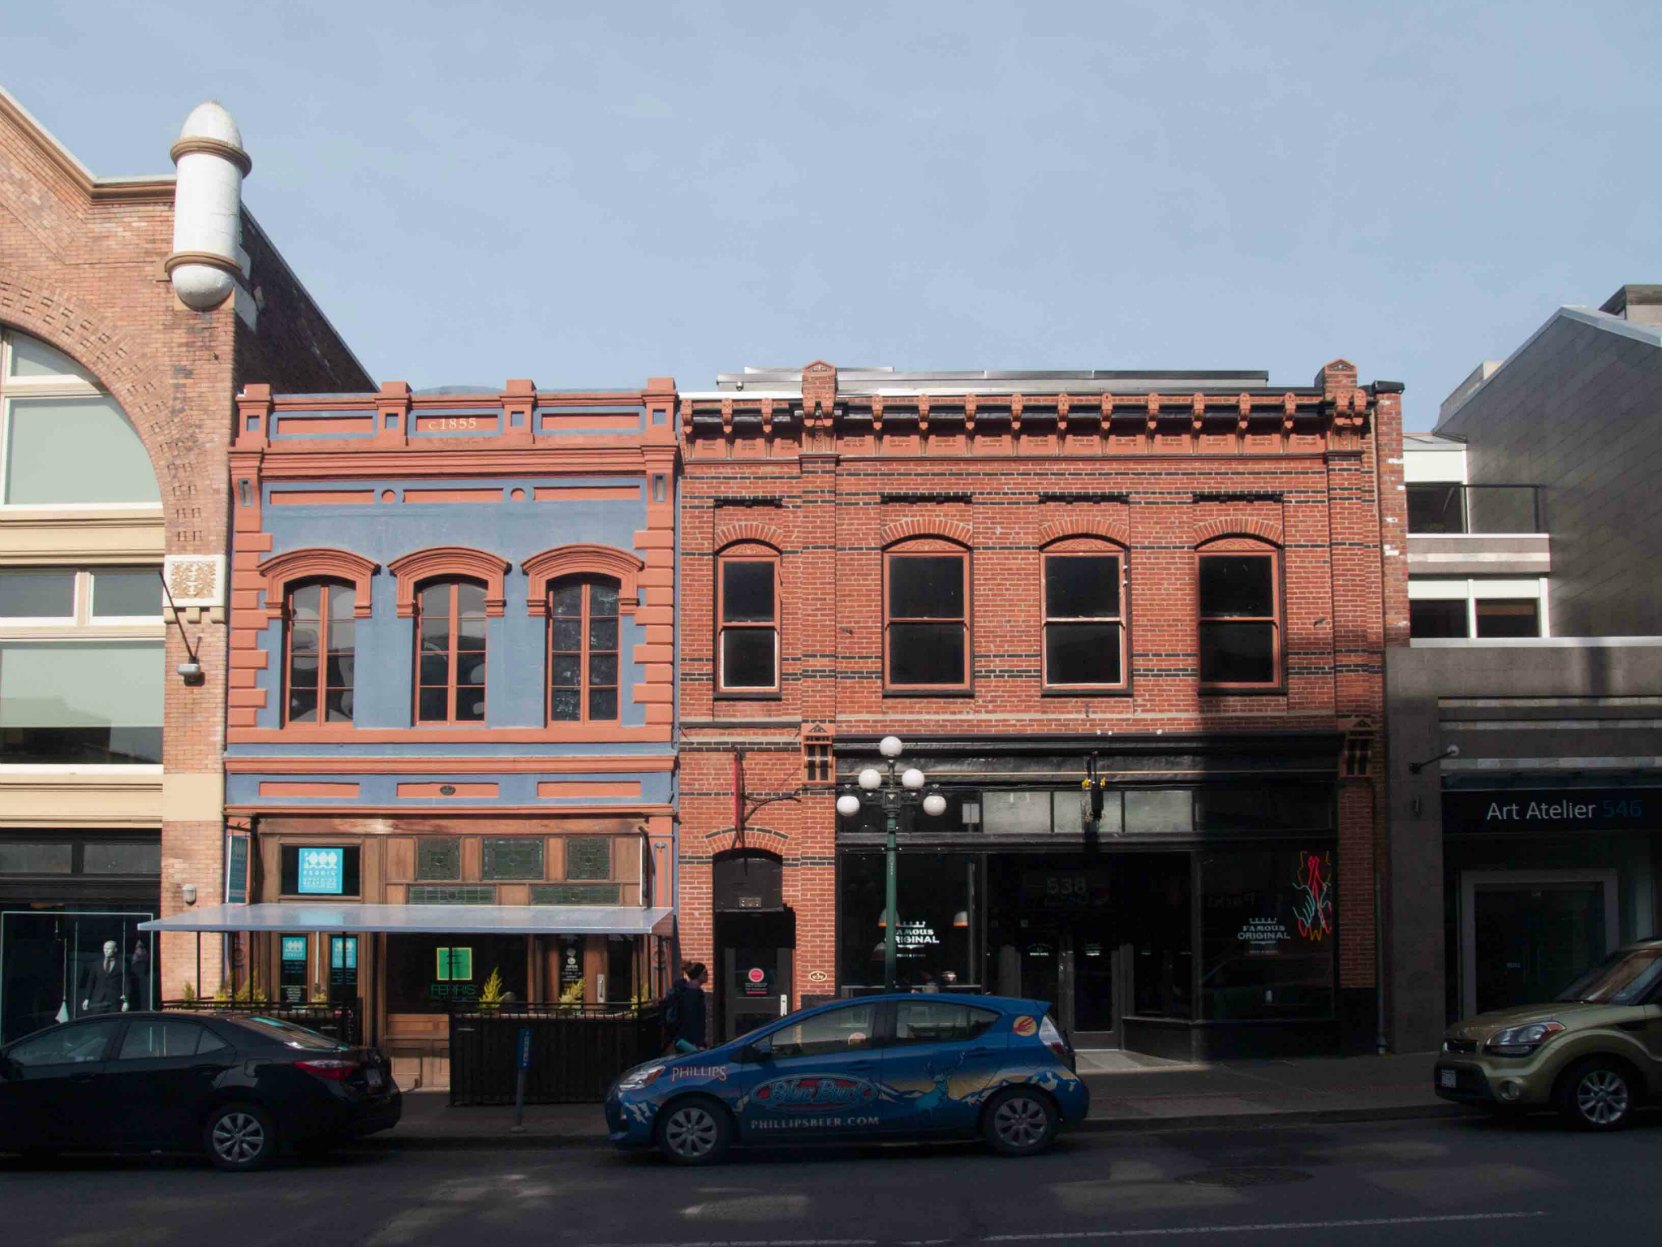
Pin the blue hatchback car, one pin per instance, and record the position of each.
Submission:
(873, 1068)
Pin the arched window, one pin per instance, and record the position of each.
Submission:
(926, 595)
(450, 652)
(583, 649)
(321, 625)
(1084, 615)
(1240, 614)
(747, 619)
(66, 442)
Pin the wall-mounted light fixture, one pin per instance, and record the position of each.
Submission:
(1453, 751)
(188, 891)
(190, 671)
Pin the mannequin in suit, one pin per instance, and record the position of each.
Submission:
(104, 986)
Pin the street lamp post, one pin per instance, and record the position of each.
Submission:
(891, 792)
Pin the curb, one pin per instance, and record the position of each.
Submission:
(394, 1141)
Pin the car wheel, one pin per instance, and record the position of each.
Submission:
(694, 1131)
(1597, 1094)
(240, 1138)
(1019, 1122)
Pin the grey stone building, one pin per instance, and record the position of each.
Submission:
(1525, 797)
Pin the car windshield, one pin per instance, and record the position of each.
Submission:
(290, 1035)
(1623, 979)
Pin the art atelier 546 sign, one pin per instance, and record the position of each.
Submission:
(1552, 809)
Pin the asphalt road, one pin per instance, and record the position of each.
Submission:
(1452, 1181)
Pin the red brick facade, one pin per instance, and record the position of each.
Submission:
(81, 267)
(833, 478)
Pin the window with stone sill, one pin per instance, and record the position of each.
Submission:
(1084, 630)
(747, 621)
(926, 620)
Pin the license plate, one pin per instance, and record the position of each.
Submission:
(1447, 1078)
(375, 1078)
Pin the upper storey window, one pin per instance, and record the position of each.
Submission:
(1240, 618)
(926, 625)
(450, 660)
(747, 613)
(63, 441)
(1084, 629)
(583, 650)
(321, 655)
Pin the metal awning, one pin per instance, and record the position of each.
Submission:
(422, 919)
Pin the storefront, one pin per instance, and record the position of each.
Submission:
(1188, 921)
(401, 923)
(71, 904)
(1541, 880)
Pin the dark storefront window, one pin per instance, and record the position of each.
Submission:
(1152, 902)
(429, 973)
(935, 937)
(55, 966)
(1268, 934)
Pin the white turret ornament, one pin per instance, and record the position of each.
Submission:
(207, 208)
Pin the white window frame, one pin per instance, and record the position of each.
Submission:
(61, 386)
(1471, 590)
(82, 624)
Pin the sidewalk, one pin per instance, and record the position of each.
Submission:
(1128, 1092)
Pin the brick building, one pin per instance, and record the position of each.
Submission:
(450, 740)
(117, 400)
(1181, 583)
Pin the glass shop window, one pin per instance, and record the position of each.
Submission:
(1268, 934)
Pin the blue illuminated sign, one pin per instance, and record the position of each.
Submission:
(322, 871)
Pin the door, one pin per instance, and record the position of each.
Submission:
(162, 1075)
(820, 1078)
(1073, 969)
(1527, 935)
(755, 984)
(938, 1061)
(51, 1094)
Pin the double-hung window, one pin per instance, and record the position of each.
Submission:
(450, 659)
(1084, 630)
(583, 650)
(747, 613)
(926, 624)
(1240, 619)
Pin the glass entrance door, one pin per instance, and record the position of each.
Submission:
(1528, 935)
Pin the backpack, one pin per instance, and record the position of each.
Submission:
(669, 1012)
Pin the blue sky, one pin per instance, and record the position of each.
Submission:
(589, 195)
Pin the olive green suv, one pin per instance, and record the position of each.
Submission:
(1594, 1054)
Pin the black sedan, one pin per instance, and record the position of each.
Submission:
(238, 1088)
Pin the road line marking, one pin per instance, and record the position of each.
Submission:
(1349, 1224)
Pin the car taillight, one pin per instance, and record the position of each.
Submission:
(330, 1069)
(1052, 1038)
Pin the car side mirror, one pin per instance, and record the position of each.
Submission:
(760, 1050)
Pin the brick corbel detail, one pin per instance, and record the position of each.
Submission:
(918, 526)
(1117, 531)
(442, 562)
(583, 560)
(749, 530)
(317, 562)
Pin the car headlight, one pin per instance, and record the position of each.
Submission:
(644, 1076)
(1522, 1040)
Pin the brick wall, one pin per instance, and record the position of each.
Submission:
(831, 496)
(81, 268)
